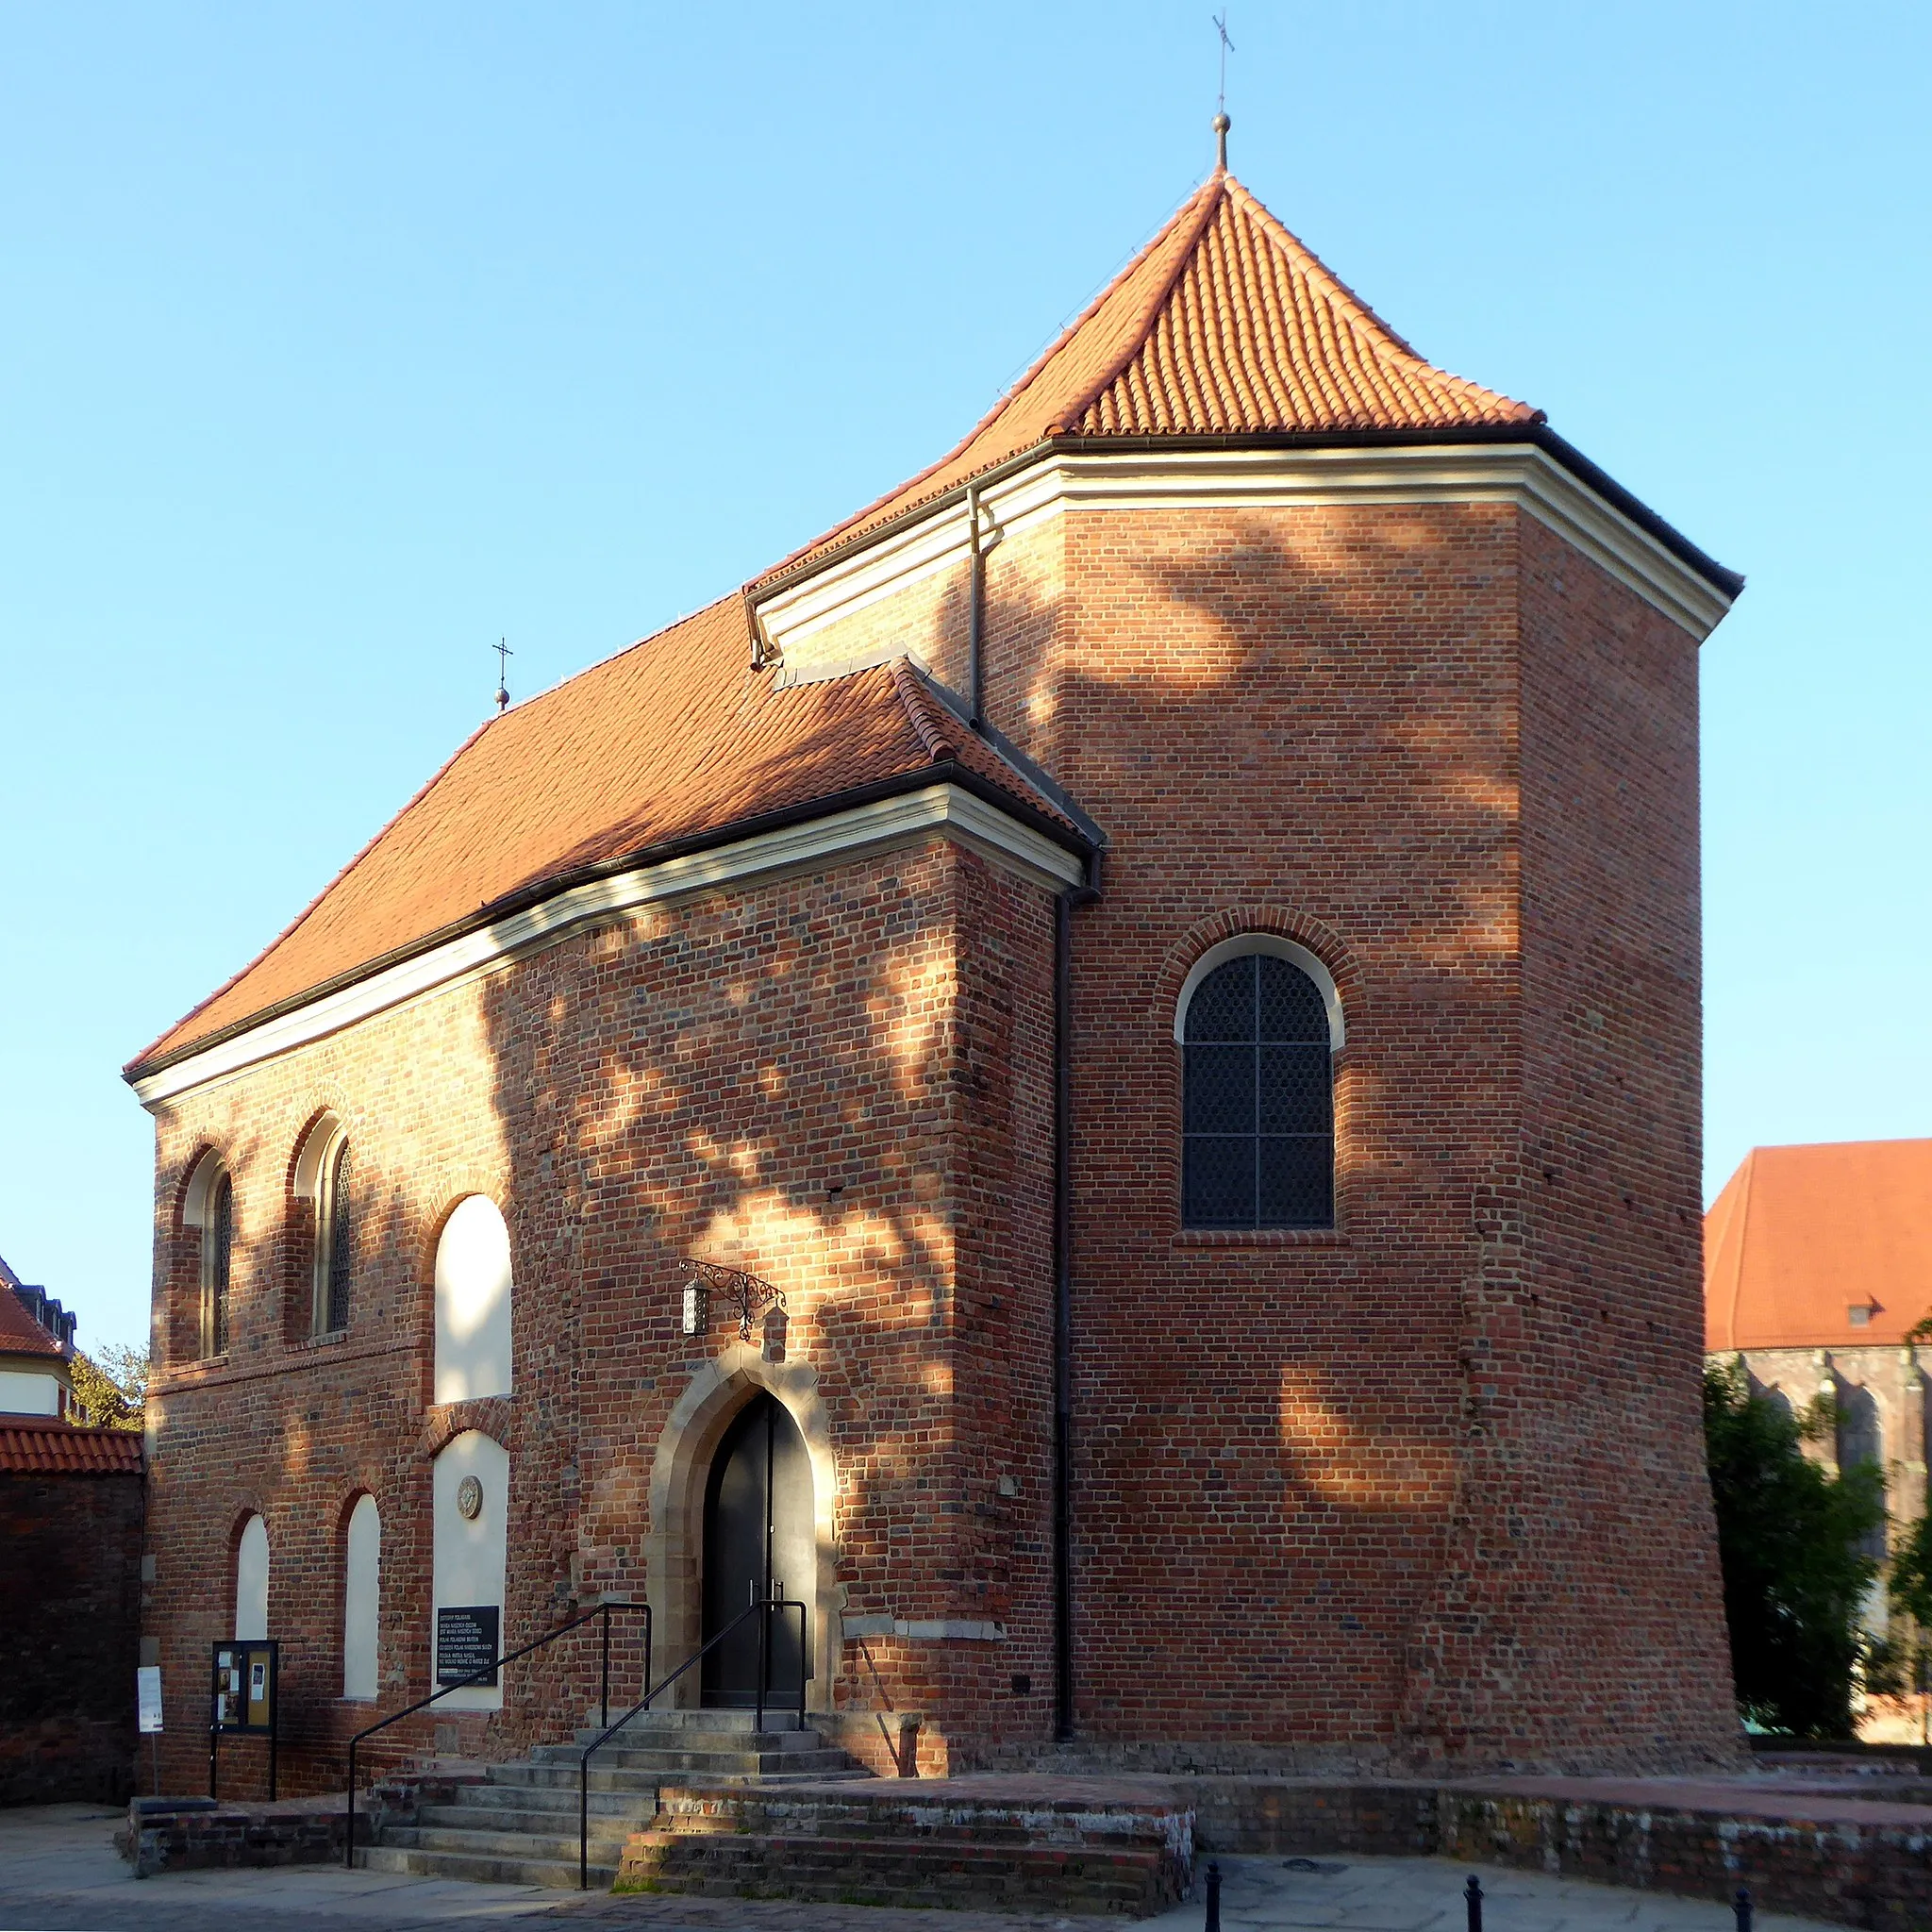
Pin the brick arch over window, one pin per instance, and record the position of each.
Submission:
(489, 1415)
(1237, 920)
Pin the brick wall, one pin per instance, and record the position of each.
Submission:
(790, 1079)
(1380, 1494)
(70, 1592)
(1425, 1489)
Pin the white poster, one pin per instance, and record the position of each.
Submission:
(147, 1696)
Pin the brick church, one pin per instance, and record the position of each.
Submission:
(1095, 1077)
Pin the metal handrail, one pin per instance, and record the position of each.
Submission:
(603, 1610)
(611, 1730)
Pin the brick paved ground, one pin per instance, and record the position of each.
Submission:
(59, 1873)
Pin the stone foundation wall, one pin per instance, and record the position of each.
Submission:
(193, 1835)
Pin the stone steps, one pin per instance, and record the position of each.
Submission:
(751, 1762)
(560, 1821)
(884, 1870)
(818, 1767)
(482, 1870)
(518, 1824)
(925, 1843)
(547, 1843)
(548, 1801)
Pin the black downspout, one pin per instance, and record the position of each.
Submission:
(975, 612)
(1063, 1295)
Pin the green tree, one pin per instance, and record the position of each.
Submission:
(1788, 1537)
(111, 1385)
(1911, 1573)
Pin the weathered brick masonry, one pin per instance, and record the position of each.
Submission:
(1423, 1489)
(795, 1072)
(69, 1606)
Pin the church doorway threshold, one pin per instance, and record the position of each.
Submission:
(758, 1544)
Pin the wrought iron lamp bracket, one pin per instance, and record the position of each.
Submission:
(746, 1295)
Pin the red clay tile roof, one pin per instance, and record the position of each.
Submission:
(32, 1445)
(1224, 324)
(1801, 1236)
(19, 1334)
(669, 741)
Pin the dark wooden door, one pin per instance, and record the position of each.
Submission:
(758, 1533)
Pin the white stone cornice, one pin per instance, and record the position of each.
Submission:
(937, 810)
(1521, 473)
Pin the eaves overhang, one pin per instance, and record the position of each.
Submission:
(1725, 583)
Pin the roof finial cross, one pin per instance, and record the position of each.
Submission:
(1221, 124)
(504, 654)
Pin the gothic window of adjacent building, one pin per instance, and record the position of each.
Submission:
(1861, 1438)
(212, 1208)
(361, 1597)
(1258, 1024)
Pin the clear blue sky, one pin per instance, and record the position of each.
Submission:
(336, 340)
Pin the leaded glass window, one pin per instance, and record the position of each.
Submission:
(217, 1264)
(1257, 1110)
(341, 1243)
(334, 1260)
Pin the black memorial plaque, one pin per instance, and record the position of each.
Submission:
(466, 1643)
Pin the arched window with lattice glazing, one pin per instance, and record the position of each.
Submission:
(1257, 1113)
(217, 1264)
(335, 1237)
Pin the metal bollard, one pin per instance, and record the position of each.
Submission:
(1741, 1906)
(1472, 1898)
(1213, 1898)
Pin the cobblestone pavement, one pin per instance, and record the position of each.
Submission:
(59, 1872)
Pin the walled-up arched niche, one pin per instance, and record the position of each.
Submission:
(470, 1496)
(251, 1580)
(473, 1303)
(361, 1598)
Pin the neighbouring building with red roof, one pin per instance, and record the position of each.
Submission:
(1818, 1269)
(71, 1530)
(1095, 1079)
(70, 1525)
(36, 1351)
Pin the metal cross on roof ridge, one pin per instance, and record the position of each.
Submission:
(1221, 124)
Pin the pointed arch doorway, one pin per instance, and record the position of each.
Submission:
(759, 1540)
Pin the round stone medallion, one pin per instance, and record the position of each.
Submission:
(470, 1498)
